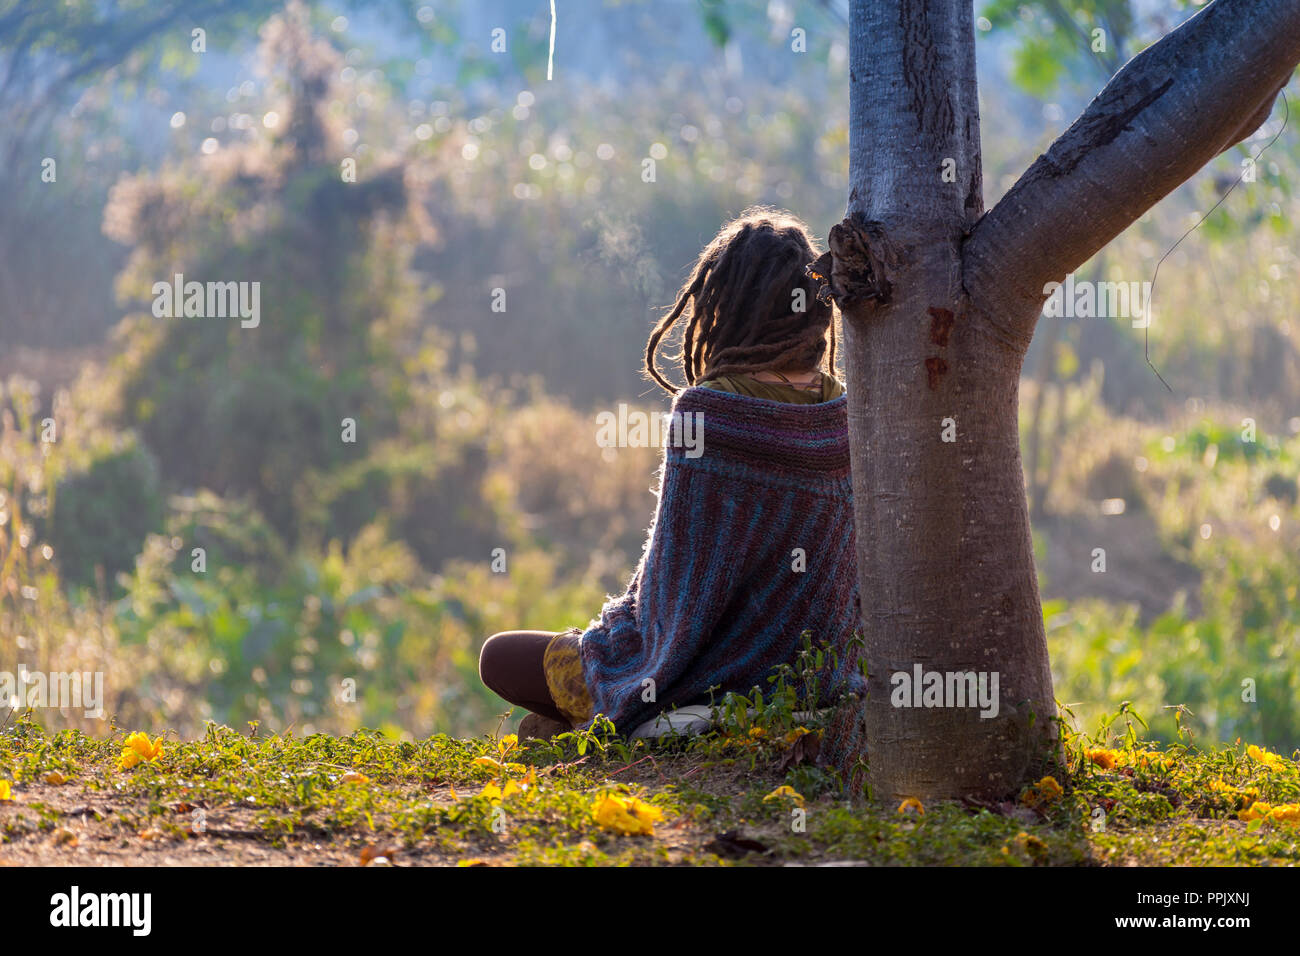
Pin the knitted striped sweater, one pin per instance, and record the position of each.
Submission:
(718, 598)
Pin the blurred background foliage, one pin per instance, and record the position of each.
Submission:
(129, 441)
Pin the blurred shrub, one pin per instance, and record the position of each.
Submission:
(252, 411)
(1217, 440)
(230, 532)
(1233, 667)
(1282, 487)
(428, 496)
(351, 638)
(589, 505)
(101, 513)
(1116, 478)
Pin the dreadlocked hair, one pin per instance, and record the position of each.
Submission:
(739, 305)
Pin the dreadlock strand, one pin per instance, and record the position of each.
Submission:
(741, 318)
(660, 330)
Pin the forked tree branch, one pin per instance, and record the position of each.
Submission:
(1169, 111)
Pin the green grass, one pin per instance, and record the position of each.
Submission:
(233, 797)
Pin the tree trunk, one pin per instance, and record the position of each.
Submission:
(939, 306)
(1046, 380)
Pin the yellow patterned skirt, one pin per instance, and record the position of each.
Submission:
(562, 666)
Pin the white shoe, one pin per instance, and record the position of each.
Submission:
(696, 719)
(682, 722)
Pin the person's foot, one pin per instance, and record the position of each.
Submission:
(543, 728)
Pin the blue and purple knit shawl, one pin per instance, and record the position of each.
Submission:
(716, 599)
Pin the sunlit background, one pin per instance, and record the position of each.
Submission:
(129, 440)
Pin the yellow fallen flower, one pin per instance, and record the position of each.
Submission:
(795, 734)
(1105, 759)
(353, 776)
(784, 792)
(1151, 758)
(1255, 811)
(1044, 793)
(138, 748)
(1271, 760)
(626, 815)
(496, 794)
(55, 778)
(6, 790)
(1110, 759)
(1279, 813)
(1028, 844)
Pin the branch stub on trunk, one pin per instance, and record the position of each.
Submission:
(853, 272)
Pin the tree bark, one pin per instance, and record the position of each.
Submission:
(939, 306)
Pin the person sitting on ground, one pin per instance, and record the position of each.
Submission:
(752, 542)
